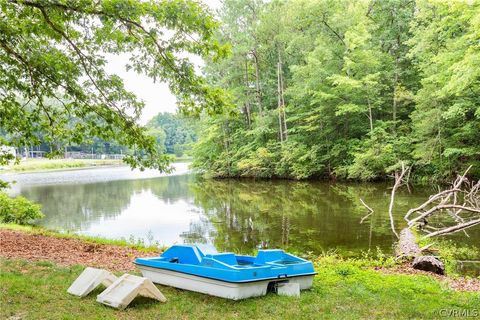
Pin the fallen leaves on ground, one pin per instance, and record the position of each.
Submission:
(67, 252)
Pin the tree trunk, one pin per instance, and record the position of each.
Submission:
(395, 82)
(279, 100)
(282, 121)
(257, 82)
(370, 117)
(282, 87)
(247, 96)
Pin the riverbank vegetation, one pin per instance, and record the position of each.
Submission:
(18, 210)
(363, 288)
(345, 90)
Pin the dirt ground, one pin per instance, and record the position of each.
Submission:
(66, 252)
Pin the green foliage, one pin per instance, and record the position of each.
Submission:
(446, 122)
(18, 210)
(174, 133)
(53, 84)
(367, 84)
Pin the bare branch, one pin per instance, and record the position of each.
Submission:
(456, 185)
(368, 208)
(429, 201)
(441, 207)
(398, 183)
(459, 227)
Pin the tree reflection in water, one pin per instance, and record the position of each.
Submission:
(236, 215)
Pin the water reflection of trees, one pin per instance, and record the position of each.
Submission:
(241, 215)
(77, 206)
(307, 216)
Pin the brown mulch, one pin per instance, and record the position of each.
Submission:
(67, 252)
(460, 283)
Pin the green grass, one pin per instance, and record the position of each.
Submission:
(138, 244)
(33, 165)
(182, 158)
(341, 290)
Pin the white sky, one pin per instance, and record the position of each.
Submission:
(157, 96)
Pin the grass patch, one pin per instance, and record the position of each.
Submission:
(341, 290)
(138, 244)
(33, 165)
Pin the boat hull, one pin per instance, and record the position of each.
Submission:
(218, 288)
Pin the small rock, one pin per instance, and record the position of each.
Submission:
(429, 263)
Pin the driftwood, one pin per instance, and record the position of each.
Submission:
(398, 182)
(461, 199)
(429, 263)
(460, 202)
(456, 228)
(429, 201)
(407, 246)
(368, 208)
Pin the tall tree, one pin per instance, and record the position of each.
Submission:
(446, 49)
(55, 50)
(361, 86)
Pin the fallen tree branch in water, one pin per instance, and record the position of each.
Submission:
(407, 246)
(430, 200)
(448, 202)
(398, 182)
(441, 207)
(457, 228)
(368, 208)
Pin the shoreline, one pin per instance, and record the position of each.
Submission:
(94, 245)
(42, 165)
(38, 266)
(34, 166)
(8, 172)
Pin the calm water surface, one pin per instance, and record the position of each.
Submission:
(238, 215)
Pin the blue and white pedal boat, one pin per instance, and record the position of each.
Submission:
(203, 269)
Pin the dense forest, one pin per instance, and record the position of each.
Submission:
(173, 133)
(345, 89)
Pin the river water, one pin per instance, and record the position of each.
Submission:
(238, 215)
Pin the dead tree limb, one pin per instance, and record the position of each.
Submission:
(456, 185)
(407, 246)
(462, 198)
(398, 182)
(368, 208)
(450, 230)
(429, 201)
(441, 207)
